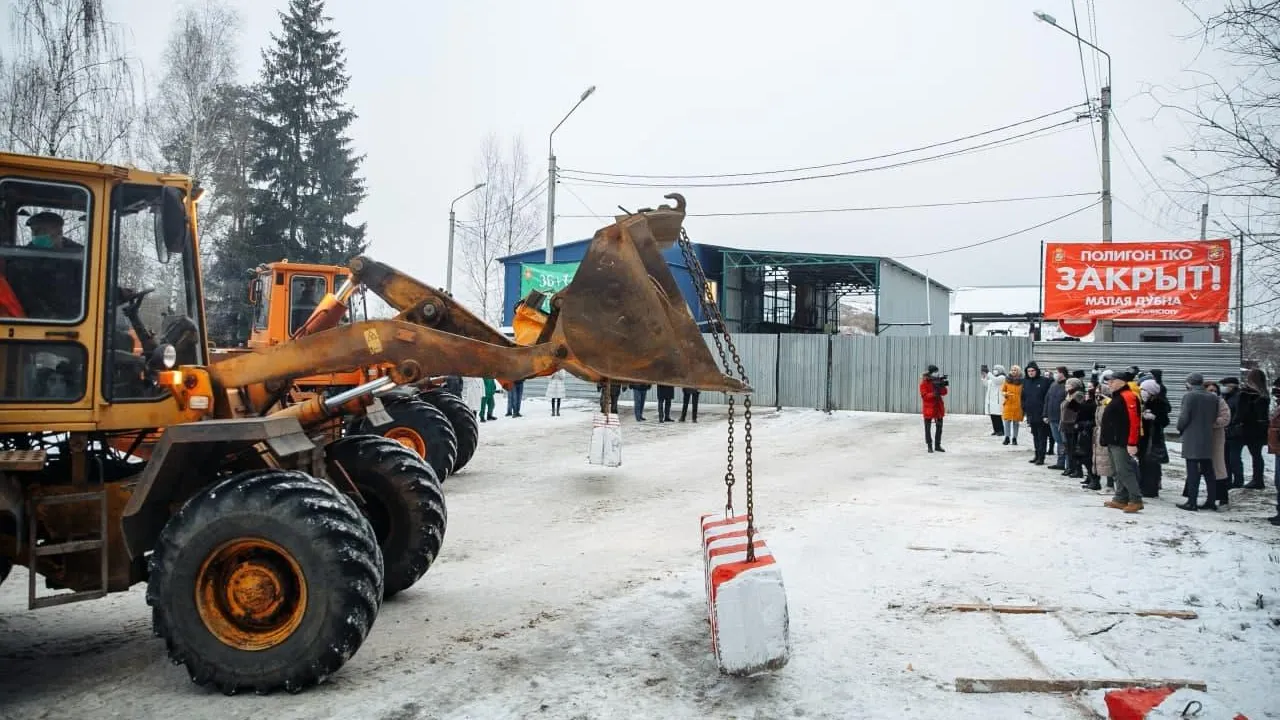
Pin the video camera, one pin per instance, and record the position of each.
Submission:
(940, 381)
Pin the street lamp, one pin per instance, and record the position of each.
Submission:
(1104, 114)
(551, 177)
(1204, 208)
(448, 280)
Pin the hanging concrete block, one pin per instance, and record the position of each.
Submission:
(606, 441)
(746, 601)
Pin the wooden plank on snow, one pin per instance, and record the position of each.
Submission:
(1068, 685)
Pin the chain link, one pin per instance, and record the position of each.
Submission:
(711, 311)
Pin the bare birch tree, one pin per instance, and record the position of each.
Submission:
(190, 122)
(1234, 125)
(67, 83)
(506, 218)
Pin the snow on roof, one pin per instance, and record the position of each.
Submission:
(1007, 299)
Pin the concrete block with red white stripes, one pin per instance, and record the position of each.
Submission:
(746, 601)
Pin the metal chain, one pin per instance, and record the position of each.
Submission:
(711, 311)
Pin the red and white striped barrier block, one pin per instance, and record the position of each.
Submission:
(746, 601)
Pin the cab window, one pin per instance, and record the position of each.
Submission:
(42, 371)
(305, 293)
(153, 299)
(44, 236)
(262, 302)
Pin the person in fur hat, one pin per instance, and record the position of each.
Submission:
(1069, 415)
(1152, 451)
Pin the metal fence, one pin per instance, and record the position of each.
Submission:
(1212, 360)
(882, 374)
(879, 374)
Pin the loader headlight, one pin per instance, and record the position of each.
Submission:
(165, 356)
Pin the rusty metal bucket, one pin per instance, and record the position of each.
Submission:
(623, 318)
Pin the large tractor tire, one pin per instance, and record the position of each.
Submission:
(466, 426)
(268, 579)
(420, 427)
(402, 500)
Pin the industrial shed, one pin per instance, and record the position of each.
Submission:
(771, 291)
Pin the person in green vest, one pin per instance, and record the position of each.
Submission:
(486, 402)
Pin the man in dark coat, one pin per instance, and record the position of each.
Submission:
(666, 394)
(1035, 390)
(1195, 425)
(1120, 433)
(689, 394)
(1255, 413)
(1053, 414)
(1235, 432)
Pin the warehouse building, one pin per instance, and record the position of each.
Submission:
(768, 291)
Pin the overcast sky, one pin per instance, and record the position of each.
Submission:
(723, 87)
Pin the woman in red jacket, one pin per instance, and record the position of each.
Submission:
(932, 387)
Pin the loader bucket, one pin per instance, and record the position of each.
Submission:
(623, 318)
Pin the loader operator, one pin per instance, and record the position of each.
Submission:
(43, 287)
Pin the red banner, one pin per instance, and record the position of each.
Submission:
(1171, 281)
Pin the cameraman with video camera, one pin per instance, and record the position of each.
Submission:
(933, 386)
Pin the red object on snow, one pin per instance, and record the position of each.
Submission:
(1134, 703)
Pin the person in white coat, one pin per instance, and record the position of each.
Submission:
(992, 382)
(555, 390)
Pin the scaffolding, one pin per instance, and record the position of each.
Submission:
(795, 292)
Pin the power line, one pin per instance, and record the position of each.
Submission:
(1138, 156)
(1093, 38)
(1085, 79)
(775, 181)
(1002, 237)
(583, 203)
(826, 165)
(914, 206)
(1141, 215)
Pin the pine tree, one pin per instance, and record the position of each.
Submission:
(304, 169)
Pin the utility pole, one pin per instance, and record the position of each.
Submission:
(448, 278)
(1106, 332)
(551, 179)
(1240, 299)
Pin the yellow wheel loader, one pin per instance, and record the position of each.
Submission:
(434, 423)
(267, 535)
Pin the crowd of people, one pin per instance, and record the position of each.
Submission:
(610, 392)
(1110, 425)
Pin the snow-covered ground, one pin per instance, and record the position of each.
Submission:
(572, 591)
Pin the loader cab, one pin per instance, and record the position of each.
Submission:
(99, 292)
(284, 294)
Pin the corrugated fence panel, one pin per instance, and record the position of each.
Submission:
(1213, 360)
(882, 374)
(803, 360)
(759, 354)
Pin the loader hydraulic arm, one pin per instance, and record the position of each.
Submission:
(622, 318)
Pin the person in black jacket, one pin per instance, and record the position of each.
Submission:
(1152, 451)
(1056, 396)
(1235, 432)
(1120, 433)
(689, 394)
(1034, 391)
(666, 394)
(1255, 408)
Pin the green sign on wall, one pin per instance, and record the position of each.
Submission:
(547, 279)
